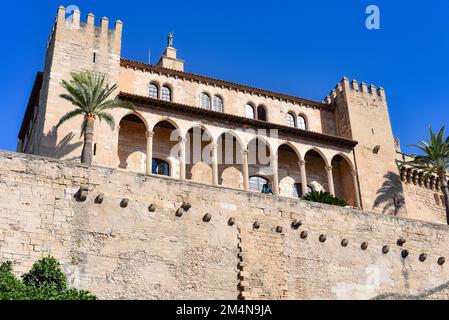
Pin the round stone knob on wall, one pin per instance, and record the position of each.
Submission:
(323, 238)
(279, 229)
(404, 253)
(256, 225)
(207, 217)
(231, 222)
(99, 199)
(186, 206)
(304, 235)
(364, 245)
(401, 242)
(179, 213)
(344, 243)
(385, 249)
(124, 203)
(441, 261)
(422, 257)
(152, 208)
(296, 224)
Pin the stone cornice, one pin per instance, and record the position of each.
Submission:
(234, 119)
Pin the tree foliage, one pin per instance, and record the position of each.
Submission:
(324, 197)
(45, 281)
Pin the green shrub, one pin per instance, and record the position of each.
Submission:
(45, 281)
(325, 197)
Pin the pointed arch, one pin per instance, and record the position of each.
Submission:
(288, 169)
(344, 156)
(292, 146)
(168, 120)
(137, 114)
(132, 143)
(316, 168)
(321, 153)
(230, 160)
(344, 182)
(202, 127)
(264, 140)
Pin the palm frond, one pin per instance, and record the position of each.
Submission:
(69, 116)
(114, 104)
(90, 94)
(435, 154)
(108, 118)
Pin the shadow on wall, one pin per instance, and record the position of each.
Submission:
(390, 197)
(431, 294)
(64, 147)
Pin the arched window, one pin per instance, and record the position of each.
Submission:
(297, 190)
(205, 101)
(291, 120)
(161, 167)
(256, 183)
(153, 91)
(261, 113)
(166, 93)
(249, 111)
(302, 123)
(218, 104)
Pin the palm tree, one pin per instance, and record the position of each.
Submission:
(434, 160)
(90, 93)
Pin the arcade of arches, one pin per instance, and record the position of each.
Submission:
(226, 162)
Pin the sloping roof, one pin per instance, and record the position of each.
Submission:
(223, 83)
(234, 119)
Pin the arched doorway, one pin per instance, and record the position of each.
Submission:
(316, 171)
(230, 161)
(165, 159)
(132, 144)
(199, 155)
(343, 180)
(289, 171)
(259, 160)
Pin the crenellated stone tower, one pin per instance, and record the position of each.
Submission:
(73, 46)
(361, 114)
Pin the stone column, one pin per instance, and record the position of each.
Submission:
(274, 168)
(114, 157)
(245, 170)
(330, 180)
(302, 167)
(356, 188)
(182, 158)
(214, 148)
(150, 135)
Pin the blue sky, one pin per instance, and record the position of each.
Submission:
(300, 48)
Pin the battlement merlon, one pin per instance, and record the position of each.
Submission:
(354, 86)
(73, 22)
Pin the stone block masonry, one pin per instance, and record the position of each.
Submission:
(145, 251)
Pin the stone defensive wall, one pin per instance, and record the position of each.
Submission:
(123, 235)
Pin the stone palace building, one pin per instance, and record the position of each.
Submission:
(343, 145)
(172, 206)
